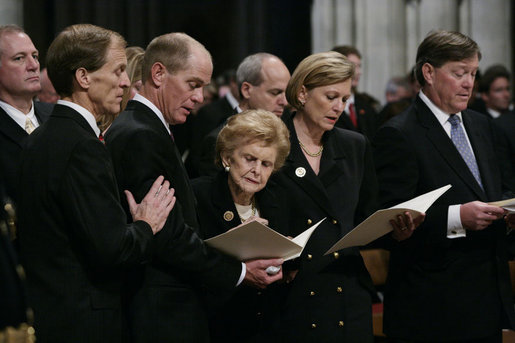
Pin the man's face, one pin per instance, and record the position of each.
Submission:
(269, 95)
(19, 68)
(108, 82)
(498, 96)
(357, 69)
(450, 86)
(181, 91)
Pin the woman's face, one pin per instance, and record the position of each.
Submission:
(250, 165)
(323, 105)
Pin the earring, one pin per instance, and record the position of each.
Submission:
(302, 103)
(227, 168)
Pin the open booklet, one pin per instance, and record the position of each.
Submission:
(508, 205)
(378, 224)
(254, 240)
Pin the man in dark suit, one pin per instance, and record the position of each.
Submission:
(450, 280)
(359, 113)
(165, 306)
(74, 237)
(19, 115)
(262, 80)
(494, 88)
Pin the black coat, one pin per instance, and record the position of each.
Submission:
(433, 280)
(73, 234)
(330, 298)
(165, 306)
(366, 115)
(248, 315)
(12, 140)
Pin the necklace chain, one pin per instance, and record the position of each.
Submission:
(315, 154)
(253, 211)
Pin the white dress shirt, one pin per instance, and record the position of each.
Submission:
(18, 116)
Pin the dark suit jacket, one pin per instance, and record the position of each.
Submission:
(249, 315)
(165, 306)
(331, 292)
(440, 288)
(73, 234)
(12, 140)
(367, 118)
(506, 140)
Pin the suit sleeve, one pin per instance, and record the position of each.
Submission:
(178, 244)
(91, 202)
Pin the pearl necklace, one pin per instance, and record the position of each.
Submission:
(315, 154)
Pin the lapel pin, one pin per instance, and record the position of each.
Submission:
(228, 216)
(300, 172)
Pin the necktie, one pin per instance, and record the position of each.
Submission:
(352, 115)
(29, 127)
(101, 137)
(460, 141)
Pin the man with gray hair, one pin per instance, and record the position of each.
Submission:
(19, 115)
(164, 306)
(262, 79)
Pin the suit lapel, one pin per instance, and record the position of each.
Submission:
(443, 144)
(11, 129)
(298, 169)
(222, 201)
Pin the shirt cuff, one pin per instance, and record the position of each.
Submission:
(454, 227)
(243, 273)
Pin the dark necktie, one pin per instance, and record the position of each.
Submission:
(460, 141)
(352, 115)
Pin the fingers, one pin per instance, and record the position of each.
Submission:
(156, 186)
(133, 206)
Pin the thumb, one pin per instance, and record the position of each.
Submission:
(133, 206)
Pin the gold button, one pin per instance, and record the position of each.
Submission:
(335, 221)
(339, 289)
(311, 293)
(336, 255)
(341, 323)
(310, 222)
(20, 272)
(313, 326)
(310, 256)
(259, 293)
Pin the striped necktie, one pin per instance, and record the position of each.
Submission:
(29, 126)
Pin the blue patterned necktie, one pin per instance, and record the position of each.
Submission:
(460, 141)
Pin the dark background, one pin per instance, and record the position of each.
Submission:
(230, 29)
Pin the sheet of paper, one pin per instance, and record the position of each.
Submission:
(508, 205)
(254, 240)
(378, 224)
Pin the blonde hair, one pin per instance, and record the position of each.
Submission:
(322, 69)
(251, 126)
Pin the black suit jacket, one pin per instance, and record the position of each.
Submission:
(506, 134)
(434, 280)
(165, 305)
(73, 234)
(12, 140)
(332, 292)
(366, 115)
(248, 315)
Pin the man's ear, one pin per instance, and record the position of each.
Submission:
(83, 78)
(246, 89)
(158, 73)
(428, 71)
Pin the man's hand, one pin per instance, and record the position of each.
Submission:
(155, 206)
(477, 215)
(405, 225)
(256, 275)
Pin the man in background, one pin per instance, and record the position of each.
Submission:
(19, 115)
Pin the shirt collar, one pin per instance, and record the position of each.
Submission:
(140, 98)
(440, 115)
(232, 100)
(18, 116)
(493, 113)
(90, 118)
(349, 101)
